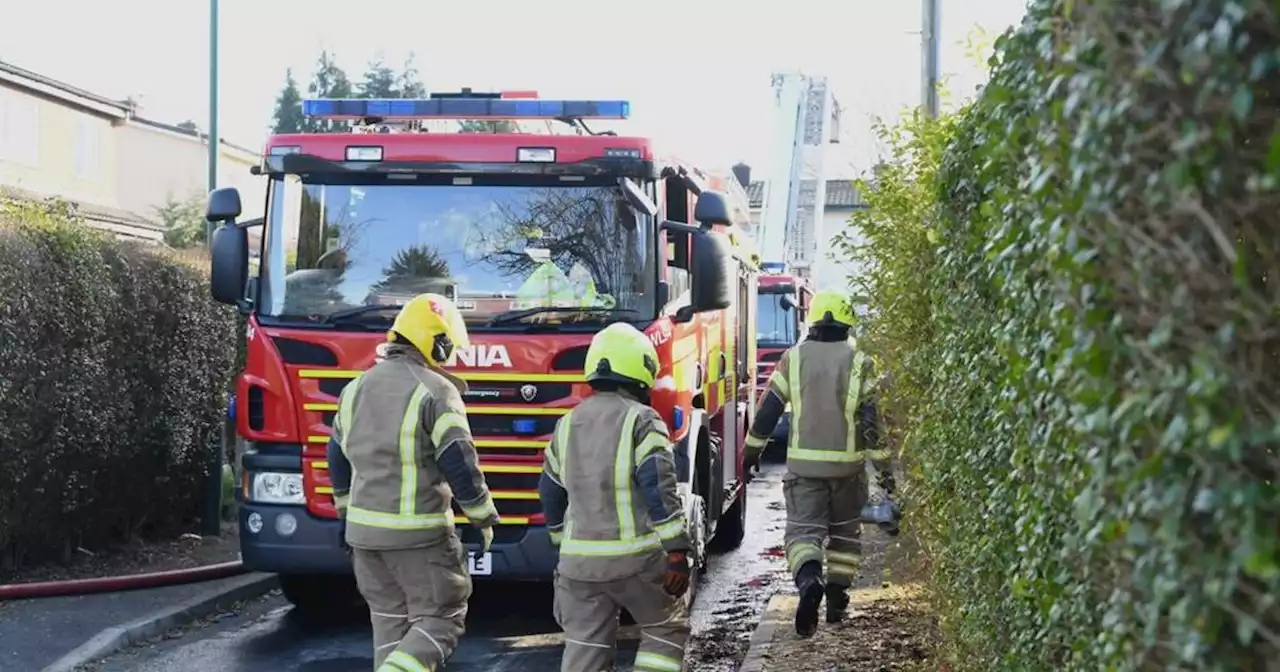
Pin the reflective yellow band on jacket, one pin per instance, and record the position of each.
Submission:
(557, 536)
(791, 383)
(878, 454)
(346, 405)
(447, 421)
(671, 529)
(608, 548)
(485, 509)
(341, 501)
(754, 441)
(653, 441)
(556, 449)
(851, 400)
(406, 662)
(409, 426)
(833, 455)
(393, 521)
(504, 520)
(656, 662)
(623, 467)
(779, 384)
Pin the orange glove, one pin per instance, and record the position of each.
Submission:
(676, 582)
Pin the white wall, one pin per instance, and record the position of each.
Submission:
(156, 164)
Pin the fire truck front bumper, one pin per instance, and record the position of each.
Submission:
(519, 553)
(286, 539)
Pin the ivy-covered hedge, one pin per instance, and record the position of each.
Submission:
(112, 386)
(1074, 283)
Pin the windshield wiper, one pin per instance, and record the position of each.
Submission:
(348, 313)
(517, 315)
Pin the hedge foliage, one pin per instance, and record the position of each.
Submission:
(112, 386)
(1074, 284)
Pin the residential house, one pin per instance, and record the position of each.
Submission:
(841, 202)
(58, 140)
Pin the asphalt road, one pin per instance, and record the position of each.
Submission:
(510, 627)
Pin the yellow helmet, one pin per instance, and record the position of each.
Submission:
(623, 354)
(833, 303)
(433, 324)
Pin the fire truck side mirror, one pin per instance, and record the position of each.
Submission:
(714, 275)
(712, 209)
(229, 265)
(223, 205)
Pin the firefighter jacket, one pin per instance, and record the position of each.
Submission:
(834, 419)
(608, 490)
(401, 452)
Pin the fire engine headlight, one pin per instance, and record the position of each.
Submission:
(273, 488)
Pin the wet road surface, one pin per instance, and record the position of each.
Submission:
(510, 627)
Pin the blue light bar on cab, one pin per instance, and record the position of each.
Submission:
(464, 108)
(774, 267)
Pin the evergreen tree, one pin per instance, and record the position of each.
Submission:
(379, 81)
(329, 81)
(414, 270)
(183, 221)
(409, 83)
(288, 115)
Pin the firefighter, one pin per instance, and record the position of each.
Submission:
(401, 453)
(834, 430)
(608, 490)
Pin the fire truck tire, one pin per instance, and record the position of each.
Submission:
(314, 594)
(731, 529)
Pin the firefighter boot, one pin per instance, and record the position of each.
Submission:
(837, 602)
(810, 585)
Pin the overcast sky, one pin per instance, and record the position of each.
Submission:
(696, 71)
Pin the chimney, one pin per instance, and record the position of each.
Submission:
(743, 172)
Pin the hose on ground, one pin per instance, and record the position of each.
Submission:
(109, 584)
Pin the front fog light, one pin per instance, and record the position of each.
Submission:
(286, 524)
(275, 488)
(254, 523)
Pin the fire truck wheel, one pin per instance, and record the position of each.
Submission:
(312, 594)
(731, 529)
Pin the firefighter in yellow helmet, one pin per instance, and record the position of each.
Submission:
(834, 430)
(400, 455)
(608, 490)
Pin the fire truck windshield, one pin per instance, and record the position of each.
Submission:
(776, 323)
(339, 246)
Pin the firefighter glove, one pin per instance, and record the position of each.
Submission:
(676, 581)
(486, 534)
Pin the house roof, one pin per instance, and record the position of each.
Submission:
(75, 95)
(34, 81)
(840, 195)
(195, 133)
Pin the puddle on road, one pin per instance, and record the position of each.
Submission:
(722, 646)
(739, 584)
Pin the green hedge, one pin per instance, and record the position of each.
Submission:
(112, 386)
(1074, 280)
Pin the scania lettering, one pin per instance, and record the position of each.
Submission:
(481, 355)
(543, 236)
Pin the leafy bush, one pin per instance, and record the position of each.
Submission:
(1078, 302)
(112, 386)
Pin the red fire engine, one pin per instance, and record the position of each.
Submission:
(783, 303)
(542, 239)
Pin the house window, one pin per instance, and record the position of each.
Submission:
(88, 150)
(19, 129)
